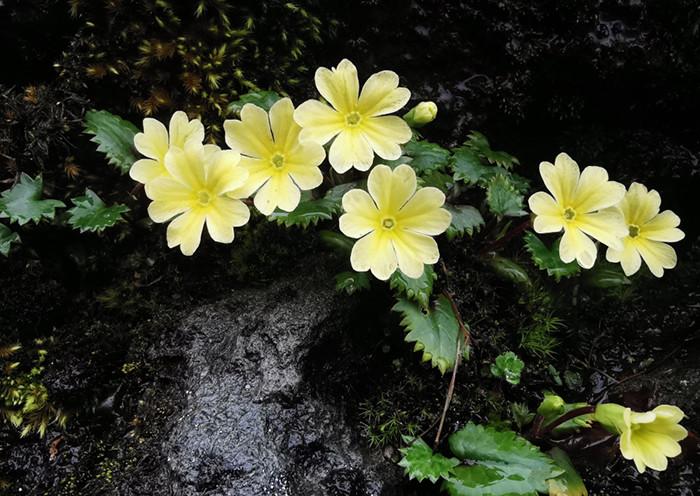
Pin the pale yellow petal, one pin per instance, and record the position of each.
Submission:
(223, 215)
(356, 226)
(542, 203)
(647, 448)
(146, 170)
(350, 149)
(362, 211)
(422, 213)
(628, 257)
(170, 198)
(153, 141)
(187, 166)
(251, 135)
(385, 134)
(183, 130)
(374, 252)
(185, 231)
(389, 189)
(640, 205)
(663, 227)
(285, 131)
(547, 224)
(339, 86)
(626, 446)
(306, 178)
(668, 413)
(606, 226)
(319, 122)
(595, 191)
(279, 191)
(224, 174)
(259, 171)
(658, 256)
(561, 178)
(413, 251)
(575, 245)
(381, 95)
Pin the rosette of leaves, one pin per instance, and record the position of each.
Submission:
(508, 366)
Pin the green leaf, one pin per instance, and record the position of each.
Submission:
(335, 194)
(23, 202)
(307, 212)
(337, 241)
(91, 214)
(548, 258)
(351, 282)
(508, 366)
(263, 99)
(421, 463)
(467, 166)
(552, 407)
(606, 275)
(479, 144)
(7, 237)
(503, 198)
(465, 220)
(569, 483)
(436, 179)
(114, 137)
(419, 289)
(425, 156)
(434, 331)
(505, 463)
(510, 270)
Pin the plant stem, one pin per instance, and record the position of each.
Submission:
(585, 410)
(500, 243)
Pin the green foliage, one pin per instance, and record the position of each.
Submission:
(307, 212)
(425, 157)
(478, 143)
(7, 237)
(434, 331)
(22, 203)
(510, 270)
(606, 275)
(468, 167)
(548, 258)
(91, 214)
(465, 220)
(503, 198)
(337, 241)
(569, 483)
(421, 463)
(508, 366)
(538, 338)
(436, 179)
(263, 99)
(503, 464)
(114, 137)
(418, 290)
(552, 407)
(351, 282)
(384, 422)
(521, 414)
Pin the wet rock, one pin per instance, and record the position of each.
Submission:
(253, 423)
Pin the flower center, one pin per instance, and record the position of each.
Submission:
(634, 230)
(569, 213)
(277, 161)
(203, 197)
(388, 223)
(353, 118)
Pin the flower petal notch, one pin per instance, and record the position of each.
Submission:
(394, 223)
(647, 438)
(357, 121)
(581, 204)
(279, 165)
(196, 192)
(648, 233)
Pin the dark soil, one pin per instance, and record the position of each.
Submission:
(613, 83)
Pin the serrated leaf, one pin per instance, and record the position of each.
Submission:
(263, 99)
(421, 463)
(508, 269)
(569, 483)
(505, 463)
(467, 166)
(419, 289)
(436, 179)
(7, 237)
(548, 258)
(508, 366)
(465, 220)
(351, 282)
(336, 193)
(307, 212)
(478, 142)
(114, 137)
(606, 275)
(503, 198)
(423, 156)
(90, 213)
(337, 241)
(434, 331)
(23, 202)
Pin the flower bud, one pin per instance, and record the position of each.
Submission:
(611, 416)
(552, 405)
(421, 114)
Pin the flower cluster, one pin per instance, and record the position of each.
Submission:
(588, 206)
(276, 155)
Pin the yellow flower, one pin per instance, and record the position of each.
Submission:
(648, 438)
(422, 114)
(195, 193)
(360, 124)
(647, 233)
(394, 223)
(155, 141)
(279, 165)
(579, 204)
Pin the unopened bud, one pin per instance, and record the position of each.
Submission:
(421, 114)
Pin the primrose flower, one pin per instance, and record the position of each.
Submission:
(195, 193)
(422, 114)
(394, 223)
(648, 438)
(279, 165)
(579, 204)
(360, 124)
(155, 141)
(647, 233)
